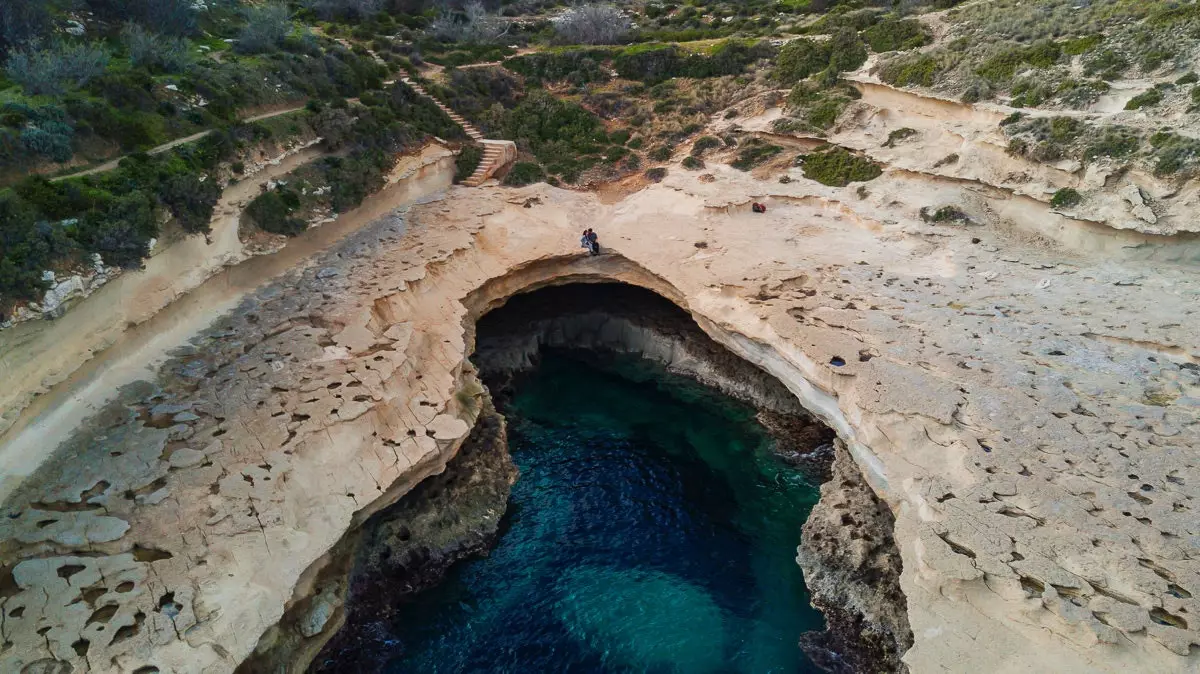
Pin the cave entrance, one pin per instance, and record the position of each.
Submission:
(664, 483)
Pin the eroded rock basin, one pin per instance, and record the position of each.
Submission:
(1036, 453)
(653, 528)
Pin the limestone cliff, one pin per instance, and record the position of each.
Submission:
(852, 569)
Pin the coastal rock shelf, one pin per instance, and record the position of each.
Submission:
(1038, 460)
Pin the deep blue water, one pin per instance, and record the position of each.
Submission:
(651, 530)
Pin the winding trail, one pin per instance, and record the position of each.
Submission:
(113, 163)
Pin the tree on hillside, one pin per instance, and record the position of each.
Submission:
(592, 24)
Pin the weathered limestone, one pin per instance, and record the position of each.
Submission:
(1029, 415)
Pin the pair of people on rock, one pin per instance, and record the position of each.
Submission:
(590, 241)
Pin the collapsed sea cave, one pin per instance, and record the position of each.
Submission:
(631, 498)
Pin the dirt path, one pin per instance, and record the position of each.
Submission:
(113, 163)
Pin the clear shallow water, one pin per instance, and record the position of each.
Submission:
(651, 530)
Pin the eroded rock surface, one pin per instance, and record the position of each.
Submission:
(1028, 413)
(852, 569)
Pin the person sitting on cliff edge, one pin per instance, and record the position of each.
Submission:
(590, 241)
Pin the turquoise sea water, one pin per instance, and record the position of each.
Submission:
(651, 530)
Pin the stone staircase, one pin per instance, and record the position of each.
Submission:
(458, 119)
(496, 153)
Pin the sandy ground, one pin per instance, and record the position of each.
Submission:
(1022, 388)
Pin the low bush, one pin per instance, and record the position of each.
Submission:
(1066, 198)
(156, 53)
(692, 163)
(524, 173)
(1175, 155)
(837, 167)
(802, 57)
(467, 161)
(910, 70)
(272, 212)
(591, 24)
(656, 174)
(654, 62)
(1107, 65)
(898, 135)
(704, 144)
(53, 71)
(754, 152)
(895, 34)
(1003, 63)
(578, 66)
(266, 27)
(1145, 99)
(945, 214)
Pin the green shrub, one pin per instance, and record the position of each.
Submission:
(945, 214)
(692, 163)
(753, 153)
(1107, 65)
(1145, 99)
(1080, 45)
(1002, 64)
(660, 153)
(838, 168)
(191, 199)
(55, 70)
(353, 177)
(656, 174)
(895, 34)
(1115, 142)
(898, 135)
(704, 144)
(1066, 198)
(1190, 78)
(266, 27)
(467, 161)
(524, 173)
(800, 58)
(910, 70)
(157, 53)
(1175, 155)
(272, 211)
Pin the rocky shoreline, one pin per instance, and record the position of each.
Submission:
(399, 552)
(850, 559)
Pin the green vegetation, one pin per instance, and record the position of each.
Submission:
(911, 70)
(1146, 99)
(1175, 155)
(753, 152)
(945, 214)
(838, 167)
(524, 173)
(704, 144)
(895, 34)
(655, 62)
(272, 212)
(817, 107)
(1001, 66)
(467, 161)
(692, 163)
(898, 135)
(1066, 198)
(802, 57)
(656, 174)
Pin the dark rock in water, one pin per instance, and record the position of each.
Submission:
(852, 569)
(409, 547)
(802, 442)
